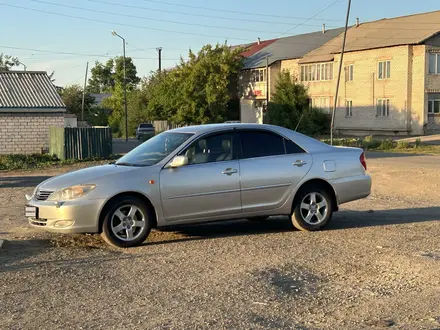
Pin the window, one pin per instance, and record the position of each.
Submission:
(322, 103)
(261, 144)
(433, 106)
(383, 107)
(293, 148)
(154, 150)
(258, 75)
(317, 72)
(434, 63)
(384, 70)
(349, 72)
(214, 148)
(348, 108)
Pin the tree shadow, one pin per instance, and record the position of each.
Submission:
(379, 155)
(21, 181)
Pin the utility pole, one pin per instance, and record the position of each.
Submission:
(159, 50)
(267, 86)
(339, 73)
(84, 92)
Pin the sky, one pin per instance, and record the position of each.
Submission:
(62, 36)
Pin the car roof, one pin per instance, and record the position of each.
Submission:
(304, 141)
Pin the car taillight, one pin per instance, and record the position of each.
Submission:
(363, 161)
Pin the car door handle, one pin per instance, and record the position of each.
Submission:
(229, 171)
(299, 163)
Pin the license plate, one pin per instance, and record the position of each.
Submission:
(31, 212)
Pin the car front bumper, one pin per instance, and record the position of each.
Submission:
(78, 216)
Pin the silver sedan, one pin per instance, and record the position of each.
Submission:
(200, 174)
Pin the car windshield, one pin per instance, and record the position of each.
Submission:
(145, 126)
(154, 150)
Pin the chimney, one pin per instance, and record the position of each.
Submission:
(323, 28)
(259, 41)
(357, 21)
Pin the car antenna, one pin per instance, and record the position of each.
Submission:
(299, 122)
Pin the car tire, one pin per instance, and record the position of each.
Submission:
(313, 208)
(258, 219)
(127, 222)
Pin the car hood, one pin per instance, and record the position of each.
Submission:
(91, 175)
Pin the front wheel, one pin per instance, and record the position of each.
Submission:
(313, 210)
(127, 223)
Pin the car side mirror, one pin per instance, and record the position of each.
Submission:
(179, 161)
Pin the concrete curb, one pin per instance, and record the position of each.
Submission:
(2, 241)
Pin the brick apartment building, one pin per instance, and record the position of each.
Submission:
(391, 78)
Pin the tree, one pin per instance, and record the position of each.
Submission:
(199, 90)
(291, 103)
(72, 98)
(7, 62)
(104, 77)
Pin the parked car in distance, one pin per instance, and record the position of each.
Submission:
(203, 173)
(145, 131)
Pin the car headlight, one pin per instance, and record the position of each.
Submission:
(70, 193)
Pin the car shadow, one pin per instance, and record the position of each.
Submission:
(342, 220)
(21, 181)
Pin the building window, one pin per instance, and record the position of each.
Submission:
(322, 103)
(317, 72)
(258, 75)
(434, 63)
(433, 106)
(383, 107)
(348, 108)
(384, 70)
(349, 72)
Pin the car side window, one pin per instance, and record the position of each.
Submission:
(213, 148)
(261, 144)
(292, 147)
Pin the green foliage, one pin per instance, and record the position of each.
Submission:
(7, 62)
(106, 76)
(25, 162)
(198, 91)
(72, 98)
(418, 143)
(403, 145)
(290, 106)
(387, 144)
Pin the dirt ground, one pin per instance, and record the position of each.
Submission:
(376, 266)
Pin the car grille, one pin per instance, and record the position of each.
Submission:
(39, 222)
(42, 195)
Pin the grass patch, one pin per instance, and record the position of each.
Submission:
(27, 162)
(369, 143)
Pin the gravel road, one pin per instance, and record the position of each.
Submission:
(376, 266)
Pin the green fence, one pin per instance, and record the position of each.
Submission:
(80, 143)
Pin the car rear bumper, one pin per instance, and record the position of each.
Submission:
(352, 188)
(79, 216)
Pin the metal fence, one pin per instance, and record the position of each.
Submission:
(80, 143)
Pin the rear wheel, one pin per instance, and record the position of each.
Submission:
(127, 223)
(313, 209)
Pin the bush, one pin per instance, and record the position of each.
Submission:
(403, 145)
(418, 143)
(386, 144)
(13, 162)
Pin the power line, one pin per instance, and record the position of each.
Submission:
(312, 17)
(80, 54)
(150, 18)
(197, 15)
(116, 23)
(230, 11)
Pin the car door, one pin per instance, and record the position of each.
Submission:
(271, 166)
(208, 186)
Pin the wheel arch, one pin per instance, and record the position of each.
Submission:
(317, 182)
(134, 194)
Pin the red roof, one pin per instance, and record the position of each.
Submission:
(255, 47)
